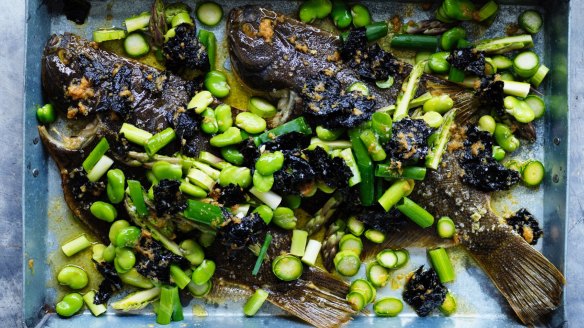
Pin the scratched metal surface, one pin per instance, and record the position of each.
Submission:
(11, 91)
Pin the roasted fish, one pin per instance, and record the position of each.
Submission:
(269, 50)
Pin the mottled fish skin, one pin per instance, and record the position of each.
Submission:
(270, 51)
(146, 93)
(530, 283)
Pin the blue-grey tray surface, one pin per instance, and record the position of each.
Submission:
(481, 305)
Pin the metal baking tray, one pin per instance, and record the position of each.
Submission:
(48, 222)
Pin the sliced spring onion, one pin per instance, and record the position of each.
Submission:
(181, 18)
(387, 258)
(355, 226)
(487, 11)
(395, 193)
(532, 173)
(502, 62)
(388, 307)
(347, 156)
(312, 251)
(201, 179)
(410, 172)
(204, 272)
(108, 34)
(166, 306)
(76, 245)
(365, 288)
(287, 267)
(137, 196)
(269, 198)
(445, 227)
(255, 302)
(180, 278)
(137, 22)
(137, 300)
(95, 155)
(100, 168)
(299, 238)
(538, 77)
(216, 162)
(416, 213)
(351, 243)
(159, 141)
(402, 257)
(262, 254)
(356, 300)
(200, 290)
(537, 105)
(435, 156)
(404, 98)
(209, 13)
(375, 236)
(441, 263)
(192, 190)
(359, 87)
(526, 64)
(385, 84)
(134, 134)
(531, 21)
(514, 88)
(205, 213)
(96, 309)
(448, 307)
(135, 45)
(377, 274)
(347, 263)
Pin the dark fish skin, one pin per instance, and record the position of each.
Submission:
(530, 283)
(153, 94)
(295, 52)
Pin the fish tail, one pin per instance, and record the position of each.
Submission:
(317, 298)
(530, 283)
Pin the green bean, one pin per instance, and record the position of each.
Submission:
(216, 83)
(231, 136)
(165, 170)
(46, 114)
(450, 38)
(269, 163)
(505, 138)
(209, 123)
(438, 62)
(69, 305)
(192, 251)
(263, 183)
(109, 253)
(115, 229)
(372, 144)
(361, 15)
(203, 272)
(381, 124)
(498, 153)
(128, 237)
(125, 259)
(328, 134)
(73, 276)
(284, 218)
(103, 211)
(341, 14)
(433, 119)
(250, 122)
(265, 212)
(200, 101)
(116, 185)
(232, 155)
(224, 117)
(240, 176)
(487, 123)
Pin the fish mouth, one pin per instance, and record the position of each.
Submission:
(53, 44)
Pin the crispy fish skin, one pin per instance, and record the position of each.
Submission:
(530, 283)
(270, 51)
(81, 79)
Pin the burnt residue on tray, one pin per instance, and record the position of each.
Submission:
(76, 10)
(525, 224)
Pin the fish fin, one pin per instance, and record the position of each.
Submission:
(530, 283)
(411, 235)
(317, 298)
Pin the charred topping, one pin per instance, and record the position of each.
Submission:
(185, 51)
(424, 292)
(296, 173)
(231, 195)
(409, 141)
(468, 60)
(332, 171)
(288, 142)
(186, 126)
(250, 152)
(153, 260)
(490, 95)
(325, 103)
(110, 284)
(481, 170)
(525, 224)
(76, 11)
(167, 198)
(377, 218)
(240, 232)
